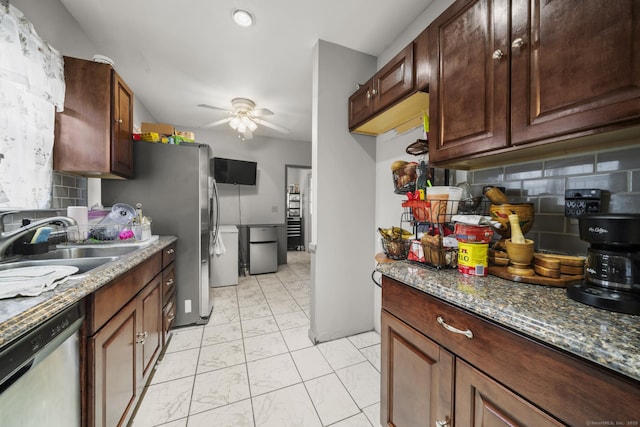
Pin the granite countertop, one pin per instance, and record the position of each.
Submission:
(544, 313)
(19, 315)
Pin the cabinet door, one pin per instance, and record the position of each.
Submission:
(421, 60)
(394, 80)
(360, 105)
(150, 333)
(114, 353)
(575, 66)
(468, 87)
(122, 138)
(417, 377)
(482, 402)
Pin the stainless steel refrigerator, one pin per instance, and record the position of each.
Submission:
(176, 191)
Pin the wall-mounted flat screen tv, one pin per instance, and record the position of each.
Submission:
(231, 171)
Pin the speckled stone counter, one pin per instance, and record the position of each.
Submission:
(541, 312)
(19, 315)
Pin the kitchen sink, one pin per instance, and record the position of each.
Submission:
(84, 264)
(84, 252)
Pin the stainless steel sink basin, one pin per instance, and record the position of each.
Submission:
(85, 252)
(84, 264)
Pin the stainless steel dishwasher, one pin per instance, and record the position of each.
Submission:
(263, 250)
(40, 374)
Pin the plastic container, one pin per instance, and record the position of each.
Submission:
(473, 233)
(473, 258)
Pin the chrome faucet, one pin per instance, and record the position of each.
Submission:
(7, 238)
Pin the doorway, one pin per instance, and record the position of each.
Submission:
(298, 199)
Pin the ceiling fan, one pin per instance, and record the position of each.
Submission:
(244, 117)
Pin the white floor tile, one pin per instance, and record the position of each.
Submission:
(263, 346)
(254, 311)
(180, 423)
(372, 354)
(288, 407)
(219, 316)
(251, 299)
(225, 303)
(285, 306)
(273, 373)
(223, 292)
(331, 399)
(373, 414)
(292, 320)
(218, 388)
(359, 420)
(221, 355)
(297, 338)
(164, 402)
(184, 339)
(341, 353)
(363, 383)
(260, 326)
(310, 363)
(239, 414)
(217, 334)
(365, 339)
(176, 365)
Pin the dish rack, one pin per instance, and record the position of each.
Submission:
(110, 233)
(433, 218)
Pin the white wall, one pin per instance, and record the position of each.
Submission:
(391, 146)
(265, 202)
(344, 194)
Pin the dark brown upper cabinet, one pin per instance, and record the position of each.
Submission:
(93, 135)
(554, 72)
(392, 83)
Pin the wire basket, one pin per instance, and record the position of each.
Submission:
(396, 249)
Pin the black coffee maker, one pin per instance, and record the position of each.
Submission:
(612, 273)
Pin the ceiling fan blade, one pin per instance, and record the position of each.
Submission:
(271, 125)
(248, 134)
(218, 122)
(261, 112)
(214, 108)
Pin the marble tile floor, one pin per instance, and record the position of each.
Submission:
(253, 364)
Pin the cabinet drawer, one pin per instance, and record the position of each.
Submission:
(168, 255)
(168, 282)
(534, 370)
(112, 297)
(168, 319)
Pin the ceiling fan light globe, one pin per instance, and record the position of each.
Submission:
(252, 125)
(242, 127)
(234, 123)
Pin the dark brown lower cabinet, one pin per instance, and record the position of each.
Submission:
(483, 402)
(415, 366)
(433, 351)
(125, 338)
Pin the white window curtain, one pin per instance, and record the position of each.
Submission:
(31, 89)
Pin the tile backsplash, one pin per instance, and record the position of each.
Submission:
(68, 190)
(544, 182)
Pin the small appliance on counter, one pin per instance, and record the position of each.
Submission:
(612, 274)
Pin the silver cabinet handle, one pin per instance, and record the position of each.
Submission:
(374, 92)
(169, 283)
(170, 251)
(442, 423)
(368, 94)
(517, 43)
(119, 121)
(450, 328)
(497, 54)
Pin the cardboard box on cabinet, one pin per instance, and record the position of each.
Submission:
(160, 128)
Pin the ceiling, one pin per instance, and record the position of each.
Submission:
(177, 54)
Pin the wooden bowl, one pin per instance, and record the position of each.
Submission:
(520, 253)
(501, 214)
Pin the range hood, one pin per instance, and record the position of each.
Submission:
(403, 116)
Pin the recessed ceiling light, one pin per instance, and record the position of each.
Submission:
(242, 17)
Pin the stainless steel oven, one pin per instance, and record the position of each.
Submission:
(40, 374)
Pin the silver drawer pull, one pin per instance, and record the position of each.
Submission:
(450, 328)
(170, 251)
(169, 283)
(443, 423)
